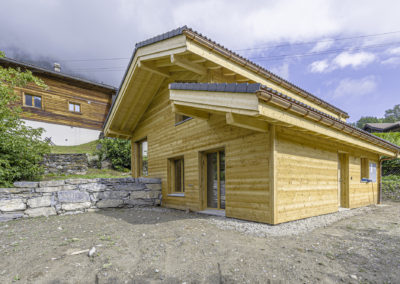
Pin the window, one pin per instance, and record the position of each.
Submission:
(364, 168)
(74, 107)
(372, 171)
(33, 101)
(180, 118)
(142, 158)
(176, 175)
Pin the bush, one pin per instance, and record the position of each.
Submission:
(21, 148)
(117, 151)
(391, 187)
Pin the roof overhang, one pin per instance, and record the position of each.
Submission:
(256, 108)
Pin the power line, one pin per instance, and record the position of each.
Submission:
(263, 58)
(317, 41)
(245, 49)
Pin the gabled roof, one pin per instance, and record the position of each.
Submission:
(212, 45)
(36, 69)
(269, 95)
(386, 126)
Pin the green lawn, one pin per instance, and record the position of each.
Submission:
(87, 148)
(92, 173)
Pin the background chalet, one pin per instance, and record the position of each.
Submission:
(229, 137)
(72, 110)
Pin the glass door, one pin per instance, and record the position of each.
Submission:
(215, 179)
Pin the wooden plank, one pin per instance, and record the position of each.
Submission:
(246, 122)
(188, 65)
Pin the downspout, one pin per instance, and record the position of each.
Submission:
(380, 178)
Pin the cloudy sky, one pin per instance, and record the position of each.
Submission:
(346, 52)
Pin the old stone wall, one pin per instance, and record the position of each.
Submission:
(31, 199)
(66, 164)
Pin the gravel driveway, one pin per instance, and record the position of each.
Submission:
(170, 246)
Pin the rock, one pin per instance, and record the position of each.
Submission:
(106, 164)
(92, 187)
(113, 194)
(26, 184)
(91, 252)
(11, 216)
(43, 211)
(16, 190)
(79, 252)
(153, 186)
(43, 201)
(77, 181)
(75, 206)
(139, 194)
(110, 203)
(73, 196)
(7, 205)
(149, 180)
(129, 186)
(51, 183)
(56, 188)
(353, 276)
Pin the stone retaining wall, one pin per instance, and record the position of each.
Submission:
(31, 199)
(66, 164)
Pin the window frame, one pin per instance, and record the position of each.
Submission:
(364, 168)
(139, 157)
(33, 100)
(179, 118)
(75, 104)
(172, 176)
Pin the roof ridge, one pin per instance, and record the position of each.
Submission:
(30, 65)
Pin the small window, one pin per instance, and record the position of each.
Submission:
(180, 118)
(177, 175)
(33, 101)
(372, 171)
(74, 107)
(364, 168)
(142, 158)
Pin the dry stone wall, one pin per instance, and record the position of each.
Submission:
(66, 164)
(45, 198)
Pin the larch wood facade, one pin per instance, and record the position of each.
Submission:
(92, 99)
(287, 154)
(94, 104)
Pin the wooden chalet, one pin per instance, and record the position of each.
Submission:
(228, 137)
(72, 110)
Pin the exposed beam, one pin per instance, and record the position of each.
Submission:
(188, 65)
(212, 66)
(152, 69)
(189, 111)
(226, 72)
(120, 133)
(246, 122)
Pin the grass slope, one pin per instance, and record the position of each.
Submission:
(87, 148)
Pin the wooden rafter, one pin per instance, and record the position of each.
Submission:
(151, 68)
(188, 65)
(246, 122)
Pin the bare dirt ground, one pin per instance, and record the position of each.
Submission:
(168, 246)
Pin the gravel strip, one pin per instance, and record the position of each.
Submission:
(289, 228)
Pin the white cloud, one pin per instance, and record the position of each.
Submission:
(394, 51)
(391, 61)
(319, 66)
(343, 60)
(354, 60)
(322, 45)
(282, 70)
(355, 87)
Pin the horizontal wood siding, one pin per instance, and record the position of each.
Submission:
(306, 179)
(246, 158)
(94, 104)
